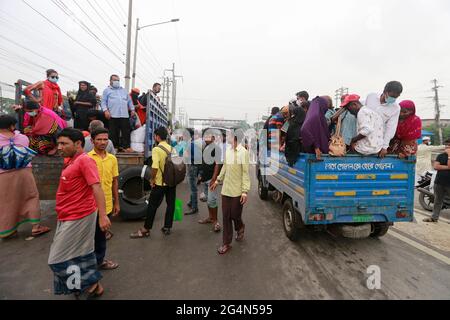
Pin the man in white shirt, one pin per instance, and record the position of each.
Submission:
(385, 105)
(370, 128)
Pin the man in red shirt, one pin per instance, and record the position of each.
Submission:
(78, 201)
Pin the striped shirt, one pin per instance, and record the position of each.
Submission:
(235, 172)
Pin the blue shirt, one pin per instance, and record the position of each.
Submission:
(117, 102)
(348, 127)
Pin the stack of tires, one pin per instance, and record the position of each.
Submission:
(134, 188)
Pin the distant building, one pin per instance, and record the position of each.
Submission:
(223, 123)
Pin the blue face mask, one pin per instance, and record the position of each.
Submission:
(390, 100)
(32, 114)
(53, 79)
(116, 84)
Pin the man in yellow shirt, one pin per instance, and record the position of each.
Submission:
(236, 185)
(159, 189)
(108, 170)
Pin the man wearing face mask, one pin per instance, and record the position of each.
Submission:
(385, 105)
(118, 107)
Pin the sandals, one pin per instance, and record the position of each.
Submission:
(217, 227)
(97, 292)
(240, 234)
(430, 220)
(42, 230)
(140, 234)
(108, 265)
(109, 235)
(224, 249)
(206, 221)
(165, 231)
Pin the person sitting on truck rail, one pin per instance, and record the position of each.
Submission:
(315, 133)
(369, 140)
(348, 121)
(409, 130)
(385, 105)
(275, 124)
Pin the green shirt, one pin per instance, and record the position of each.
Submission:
(235, 172)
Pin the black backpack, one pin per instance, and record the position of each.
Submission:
(174, 171)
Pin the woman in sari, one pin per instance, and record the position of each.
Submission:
(408, 131)
(315, 133)
(84, 102)
(19, 197)
(42, 128)
(50, 92)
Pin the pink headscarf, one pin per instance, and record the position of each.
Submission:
(411, 127)
(61, 123)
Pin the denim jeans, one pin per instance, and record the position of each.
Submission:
(193, 174)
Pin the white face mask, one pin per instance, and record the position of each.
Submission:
(116, 84)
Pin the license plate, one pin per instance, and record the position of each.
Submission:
(362, 218)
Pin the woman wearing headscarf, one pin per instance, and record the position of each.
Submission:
(42, 128)
(84, 102)
(315, 134)
(408, 131)
(293, 135)
(19, 197)
(50, 92)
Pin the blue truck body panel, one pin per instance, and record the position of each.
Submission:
(157, 116)
(351, 189)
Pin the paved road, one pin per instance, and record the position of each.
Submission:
(266, 265)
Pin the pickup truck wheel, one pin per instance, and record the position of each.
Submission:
(426, 201)
(379, 229)
(291, 221)
(133, 191)
(262, 191)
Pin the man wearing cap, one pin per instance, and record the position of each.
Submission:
(348, 121)
(370, 128)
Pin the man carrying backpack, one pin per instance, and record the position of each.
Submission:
(166, 175)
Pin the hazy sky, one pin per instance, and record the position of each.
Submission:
(238, 57)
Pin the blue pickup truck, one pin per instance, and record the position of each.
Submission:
(360, 196)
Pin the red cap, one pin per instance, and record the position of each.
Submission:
(350, 98)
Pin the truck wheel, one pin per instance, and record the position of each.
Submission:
(379, 229)
(262, 191)
(133, 193)
(426, 201)
(292, 222)
(356, 231)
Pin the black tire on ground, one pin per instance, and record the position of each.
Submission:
(133, 193)
(292, 221)
(379, 229)
(426, 201)
(262, 191)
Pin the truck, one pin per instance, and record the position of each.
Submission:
(359, 196)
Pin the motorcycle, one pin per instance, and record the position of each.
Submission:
(425, 186)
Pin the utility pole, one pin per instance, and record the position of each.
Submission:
(339, 93)
(174, 93)
(133, 82)
(437, 111)
(128, 64)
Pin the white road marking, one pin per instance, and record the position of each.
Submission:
(420, 247)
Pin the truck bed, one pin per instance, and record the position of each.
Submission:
(351, 189)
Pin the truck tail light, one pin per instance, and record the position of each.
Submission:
(330, 217)
(402, 214)
(316, 217)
